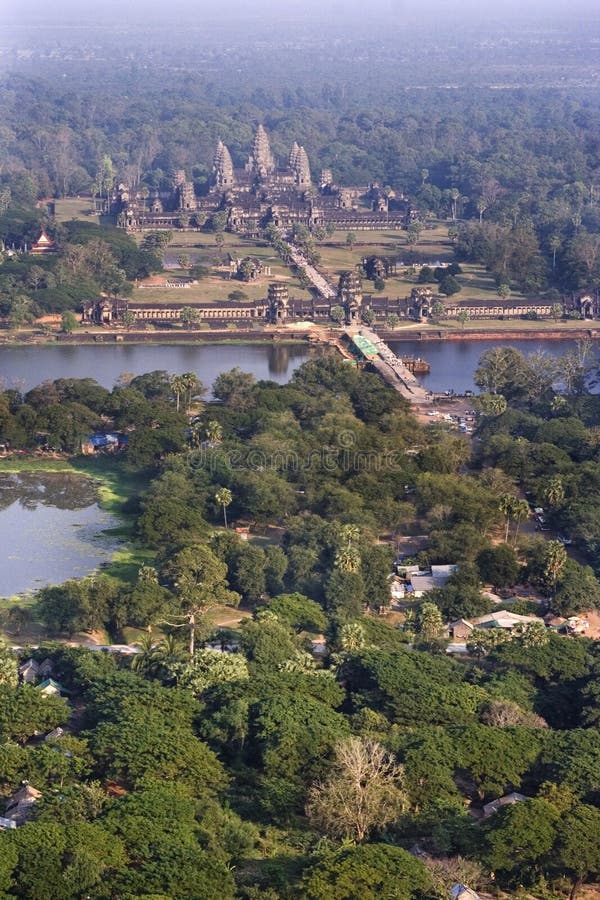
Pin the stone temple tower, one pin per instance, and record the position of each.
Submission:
(278, 302)
(261, 162)
(299, 165)
(223, 166)
(349, 296)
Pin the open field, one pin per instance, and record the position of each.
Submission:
(433, 247)
(75, 208)
(202, 250)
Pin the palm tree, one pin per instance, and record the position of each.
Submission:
(554, 244)
(454, 197)
(556, 558)
(347, 559)
(178, 386)
(214, 432)
(555, 491)
(520, 512)
(347, 556)
(507, 505)
(224, 498)
(192, 386)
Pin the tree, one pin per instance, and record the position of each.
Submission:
(498, 566)
(9, 670)
(208, 668)
(337, 314)
(299, 612)
(484, 640)
(68, 322)
(184, 261)
(578, 847)
(24, 711)
(371, 872)
(555, 558)
(577, 589)
(347, 555)
(178, 387)
(199, 580)
(462, 317)
(364, 790)
(556, 311)
(554, 492)
(413, 233)
(214, 432)
(438, 310)
(351, 239)
(189, 316)
(224, 498)
(393, 320)
(449, 286)
(503, 290)
(490, 405)
(519, 838)
(129, 319)
(429, 622)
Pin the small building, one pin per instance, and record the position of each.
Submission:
(555, 623)
(43, 245)
(29, 671)
(460, 630)
(397, 588)
(490, 808)
(503, 619)
(20, 806)
(318, 646)
(243, 532)
(54, 735)
(46, 668)
(51, 688)
(462, 892)
(436, 578)
(577, 625)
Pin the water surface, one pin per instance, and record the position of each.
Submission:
(26, 367)
(454, 362)
(51, 529)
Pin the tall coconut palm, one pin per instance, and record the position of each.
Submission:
(178, 386)
(520, 511)
(555, 561)
(193, 387)
(224, 498)
(506, 505)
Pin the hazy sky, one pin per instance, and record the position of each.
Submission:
(392, 11)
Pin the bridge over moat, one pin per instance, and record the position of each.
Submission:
(392, 369)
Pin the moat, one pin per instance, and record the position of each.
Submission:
(452, 362)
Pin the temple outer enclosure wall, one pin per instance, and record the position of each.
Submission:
(278, 308)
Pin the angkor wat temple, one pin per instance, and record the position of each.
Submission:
(261, 193)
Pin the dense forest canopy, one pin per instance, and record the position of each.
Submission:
(243, 764)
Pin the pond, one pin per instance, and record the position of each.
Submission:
(51, 529)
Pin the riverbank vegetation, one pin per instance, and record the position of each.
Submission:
(327, 734)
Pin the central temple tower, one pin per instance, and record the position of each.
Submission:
(261, 162)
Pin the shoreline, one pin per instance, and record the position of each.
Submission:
(317, 335)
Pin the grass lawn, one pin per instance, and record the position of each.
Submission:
(433, 246)
(216, 287)
(75, 208)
